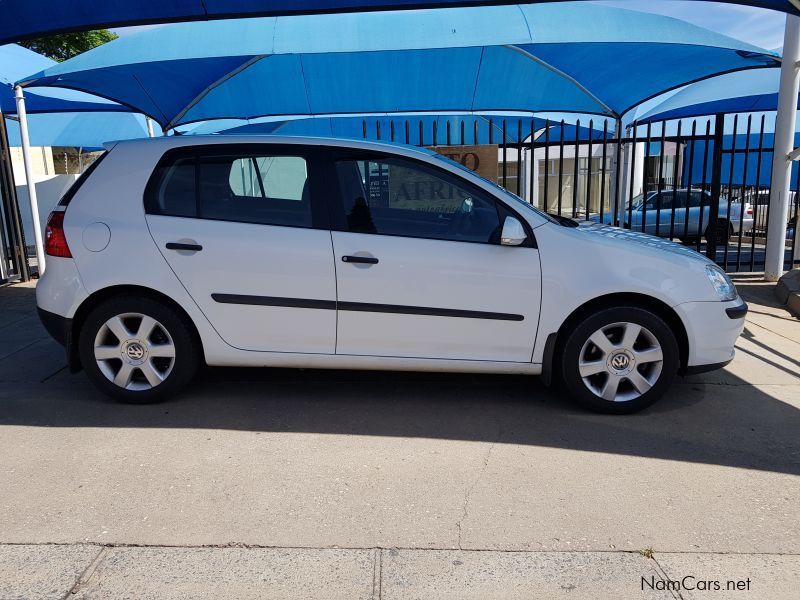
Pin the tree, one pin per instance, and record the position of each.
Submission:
(66, 45)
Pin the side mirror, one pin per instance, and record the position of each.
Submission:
(513, 233)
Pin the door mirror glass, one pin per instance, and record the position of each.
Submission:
(513, 233)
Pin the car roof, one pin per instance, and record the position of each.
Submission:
(183, 141)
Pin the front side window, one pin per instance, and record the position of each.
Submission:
(262, 189)
(398, 197)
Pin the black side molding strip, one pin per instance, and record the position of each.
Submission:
(737, 312)
(428, 311)
(362, 307)
(274, 301)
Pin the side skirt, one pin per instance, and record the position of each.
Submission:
(368, 363)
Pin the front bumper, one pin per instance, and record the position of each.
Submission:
(712, 329)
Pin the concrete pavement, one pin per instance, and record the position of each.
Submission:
(279, 483)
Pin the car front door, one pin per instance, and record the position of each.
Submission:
(244, 229)
(420, 269)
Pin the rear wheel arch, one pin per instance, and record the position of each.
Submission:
(100, 296)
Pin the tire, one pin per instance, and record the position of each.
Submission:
(640, 380)
(153, 353)
(722, 234)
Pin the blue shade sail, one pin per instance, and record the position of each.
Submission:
(16, 62)
(23, 19)
(60, 117)
(567, 57)
(747, 91)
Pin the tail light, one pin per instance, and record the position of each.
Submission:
(55, 242)
(748, 209)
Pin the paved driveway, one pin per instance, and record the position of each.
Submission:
(281, 483)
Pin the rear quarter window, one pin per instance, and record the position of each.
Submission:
(67, 198)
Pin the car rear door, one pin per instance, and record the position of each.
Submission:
(245, 230)
(420, 270)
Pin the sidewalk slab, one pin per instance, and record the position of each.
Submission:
(439, 575)
(41, 572)
(241, 573)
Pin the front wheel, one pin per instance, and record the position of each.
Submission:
(137, 349)
(620, 360)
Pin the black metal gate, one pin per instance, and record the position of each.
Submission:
(703, 182)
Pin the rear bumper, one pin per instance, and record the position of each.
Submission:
(59, 328)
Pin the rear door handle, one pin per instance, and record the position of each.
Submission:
(182, 246)
(364, 260)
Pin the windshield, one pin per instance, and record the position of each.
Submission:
(513, 197)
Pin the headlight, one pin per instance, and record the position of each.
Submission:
(722, 283)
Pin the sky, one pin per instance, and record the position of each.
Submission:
(757, 26)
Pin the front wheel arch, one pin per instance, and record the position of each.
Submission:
(100, 296)
(554, 345)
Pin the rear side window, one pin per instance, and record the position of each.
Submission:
(247, 188)
(67, 198)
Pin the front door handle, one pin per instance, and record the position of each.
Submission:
(184, 246)
(364, 260)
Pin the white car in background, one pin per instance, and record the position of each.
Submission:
(321, 253)
(684, 214)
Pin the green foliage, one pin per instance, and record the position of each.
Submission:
(66, 45)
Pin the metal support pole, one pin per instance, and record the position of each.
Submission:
(785, 122)
(26, 159)
(150, 132)
(8, 191)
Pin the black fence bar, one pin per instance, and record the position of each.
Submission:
(632, 174)
(603, 170)
(644, 176)
(408, 136)
(690, 149)
(676, 203)
(505, 156)
(716, 187)
(757, 195)
(463, 140)
(660, 178)
(546, 161)
(743, 193)
(589, 170)
(435, 131)
(704, 182)
(561, 167)
(519, 157)
(576, 174)
(723, 230)
(447, 137)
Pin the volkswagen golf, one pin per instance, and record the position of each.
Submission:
(176, 252)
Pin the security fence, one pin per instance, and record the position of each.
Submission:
(703, 182)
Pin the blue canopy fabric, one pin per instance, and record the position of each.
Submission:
(24, 19)
(535, 58)
(16, 62)
(747, 91)
(60, 117)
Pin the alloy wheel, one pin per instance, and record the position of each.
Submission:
(621, 362)
(134, 351)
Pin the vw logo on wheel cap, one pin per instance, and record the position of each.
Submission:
(620, 362)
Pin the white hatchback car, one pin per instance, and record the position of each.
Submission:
(321, 253)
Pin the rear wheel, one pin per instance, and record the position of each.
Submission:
(620, 360)
(137, 349)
